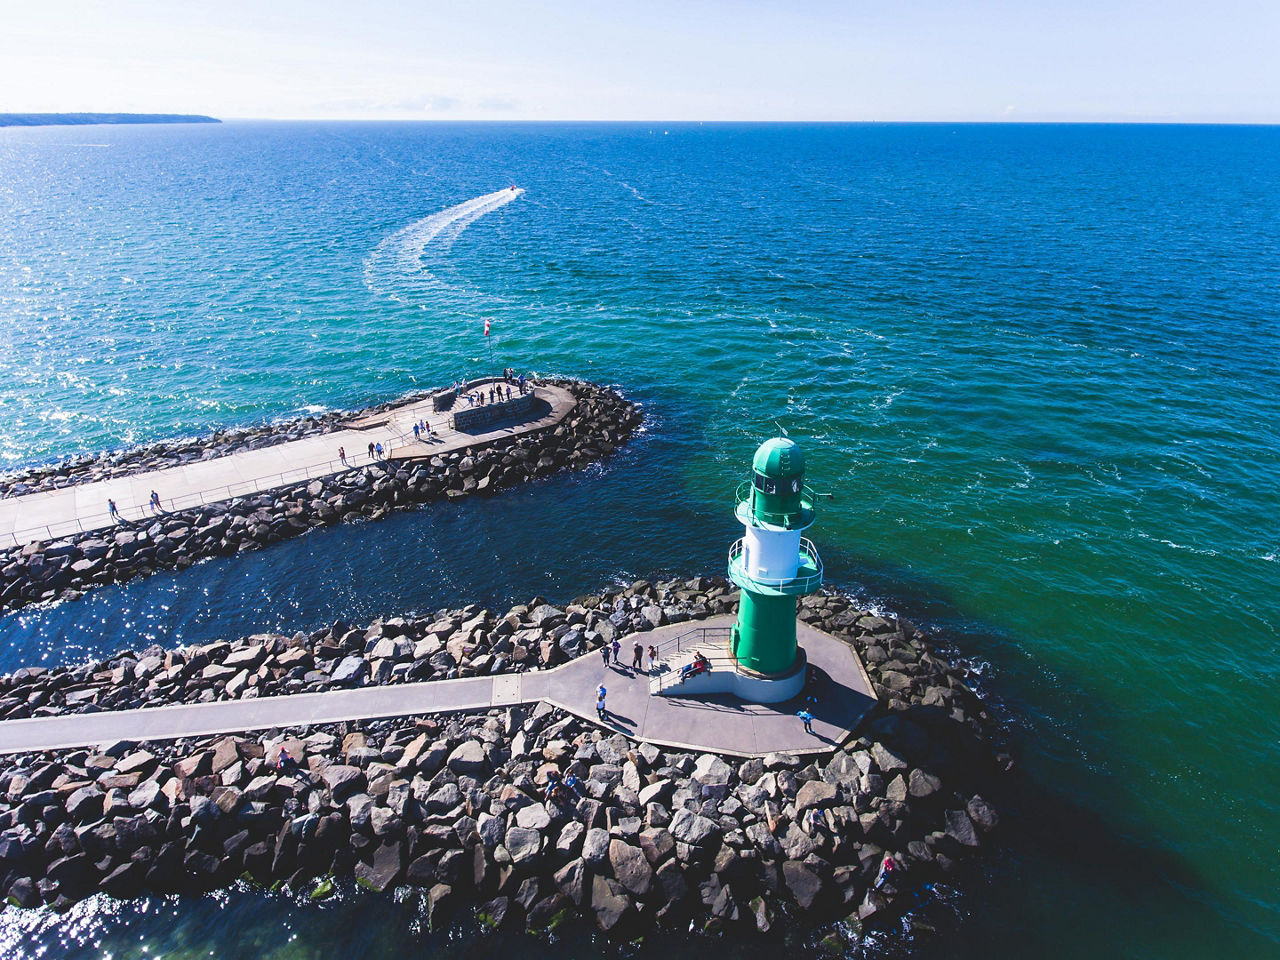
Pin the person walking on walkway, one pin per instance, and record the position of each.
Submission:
(807, 717)
(342, 454)
(371, 450)
(155, 502)
(113, 510)
(637, 653)
(416, 432)
(604, 653)
(600, 707)
(377, 448)
(617, 652)
(653, 657)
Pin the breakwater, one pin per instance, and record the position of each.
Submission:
(458, 805)
(590, 431)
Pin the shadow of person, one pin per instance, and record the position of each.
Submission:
(618, 721)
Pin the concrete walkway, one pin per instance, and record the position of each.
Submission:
(720, 724)
(52, 514)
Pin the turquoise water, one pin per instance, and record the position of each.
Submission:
(1036, 366)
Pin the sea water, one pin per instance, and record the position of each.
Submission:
(1035, 366)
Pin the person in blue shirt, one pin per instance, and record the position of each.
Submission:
(807, 717)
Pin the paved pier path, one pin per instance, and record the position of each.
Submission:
(59, 513)
(721, 724)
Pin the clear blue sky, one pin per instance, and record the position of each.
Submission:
(691, 60)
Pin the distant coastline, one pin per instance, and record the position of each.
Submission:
(80, 119)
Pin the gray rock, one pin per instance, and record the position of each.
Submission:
(982, 814)
(796, 844)
(385, 868)
(657, 792)
(630, 867)
(960, 828)
(804, 884)
(692, 828)
(85, 804)
(468, 758)
(533, 817)
(523, 845)
(595, 846)
(343, 780)
(815, 793)
(922, 785)
(609, 903)
(710, 770)
(888, 761)
(350, 670)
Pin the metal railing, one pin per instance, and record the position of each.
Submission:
(800, 583)
(394, 448)
(691, 641)
(399, 446)
(742, 499)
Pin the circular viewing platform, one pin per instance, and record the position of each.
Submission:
(808, 575)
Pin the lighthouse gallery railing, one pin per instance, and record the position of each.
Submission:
(802, 582)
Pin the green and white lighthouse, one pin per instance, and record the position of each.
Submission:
(774, 564)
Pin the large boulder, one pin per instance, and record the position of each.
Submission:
(693, 828)
(960, 828)
(815, 793)
(383, 870)
(610, 904)
(468, 758)
(343, 780)
(523, 845)
(630, 867)
(805, 885)
(350, 671)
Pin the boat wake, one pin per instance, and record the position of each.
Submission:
(401, 264)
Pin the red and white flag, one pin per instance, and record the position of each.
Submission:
(486, 326)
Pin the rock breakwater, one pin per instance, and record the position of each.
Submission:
(599, 422)
(458, 806)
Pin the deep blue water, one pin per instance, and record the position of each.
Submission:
(1036, 365)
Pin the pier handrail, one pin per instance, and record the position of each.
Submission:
(223, 492)
(688, 642)
(670, 678)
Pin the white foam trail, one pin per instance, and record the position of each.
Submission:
(401, 259)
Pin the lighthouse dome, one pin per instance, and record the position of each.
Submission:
(779, 459)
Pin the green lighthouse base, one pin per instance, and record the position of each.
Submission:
(764, 638)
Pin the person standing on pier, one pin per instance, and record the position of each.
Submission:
(600, 707)
(604, 654)
(617, 651)
(637, 653)
(113, 510)
(653, 657)
(155, 502)
(370, 451)
(417, 432)
(342, 454)
(807, 717)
